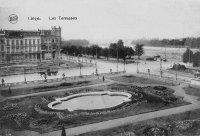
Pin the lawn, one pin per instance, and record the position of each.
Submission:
(183, 124)
(32, 113)
(140, 80)
(193, 91)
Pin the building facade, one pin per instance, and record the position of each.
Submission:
(26, 46)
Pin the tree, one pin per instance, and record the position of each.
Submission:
(187, 56)
(105, 53)
(95, 50)
(139, 50)
(196, 59)
(113, 50)
(130, 52)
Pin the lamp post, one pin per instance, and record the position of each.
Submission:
(124, 64)
(161, 67)
(117, 58)
(96, 60)
(25, 75)
(80, 68)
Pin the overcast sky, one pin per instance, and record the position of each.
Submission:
(107, 19)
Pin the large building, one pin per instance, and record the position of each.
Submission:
(26, 46)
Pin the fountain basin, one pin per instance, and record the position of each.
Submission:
(90, 101)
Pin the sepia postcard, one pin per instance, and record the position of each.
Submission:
(99, 68)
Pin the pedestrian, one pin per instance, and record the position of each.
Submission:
(45, 77)
(9, 91)
(103, 79)
(148, 71)
(96, 71)
(63, 75)
(2, 82)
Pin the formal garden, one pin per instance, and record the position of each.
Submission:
(183, 124)
(33, 113)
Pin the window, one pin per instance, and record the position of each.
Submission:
(34, 48)
(12, 42)
(44, 47)
(25, 41)
(17, 42)
(39, 47)
(33, 41)
(17, 48)
(2, 47)
(8, 42)
(30, 49)
(30, 41)
(13, 49)
(8, 49)
(38, 41)
(2, 41)
(21, 42)
(26, 49)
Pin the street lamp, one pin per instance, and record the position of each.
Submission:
(25, 75)
(96, 60)
(80, 68)
(117, 58)
(161, 68)
(124, 65)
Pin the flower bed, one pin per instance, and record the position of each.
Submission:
(10, 107)
(39, 123)
(183, 125)
(155, 131)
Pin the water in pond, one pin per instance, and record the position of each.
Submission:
(91, 102)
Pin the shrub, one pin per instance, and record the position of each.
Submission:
(159, 88)
(65, 84)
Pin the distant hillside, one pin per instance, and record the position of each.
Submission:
(76, 42)
(191, 42)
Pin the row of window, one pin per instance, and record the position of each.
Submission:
(29, 41)
(21, 42)
(26, 49)
(43, 47)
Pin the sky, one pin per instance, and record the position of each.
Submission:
(107, 19)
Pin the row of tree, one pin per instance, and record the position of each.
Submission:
(191, 42)
(115, 50)
(189, 56)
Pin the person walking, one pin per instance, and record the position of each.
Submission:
(9, 90)
(103, 78)
(2, 82)
(45, 77)
(63, 75)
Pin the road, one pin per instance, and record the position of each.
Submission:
(102, 66)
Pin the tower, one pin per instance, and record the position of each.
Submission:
(56, 38)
